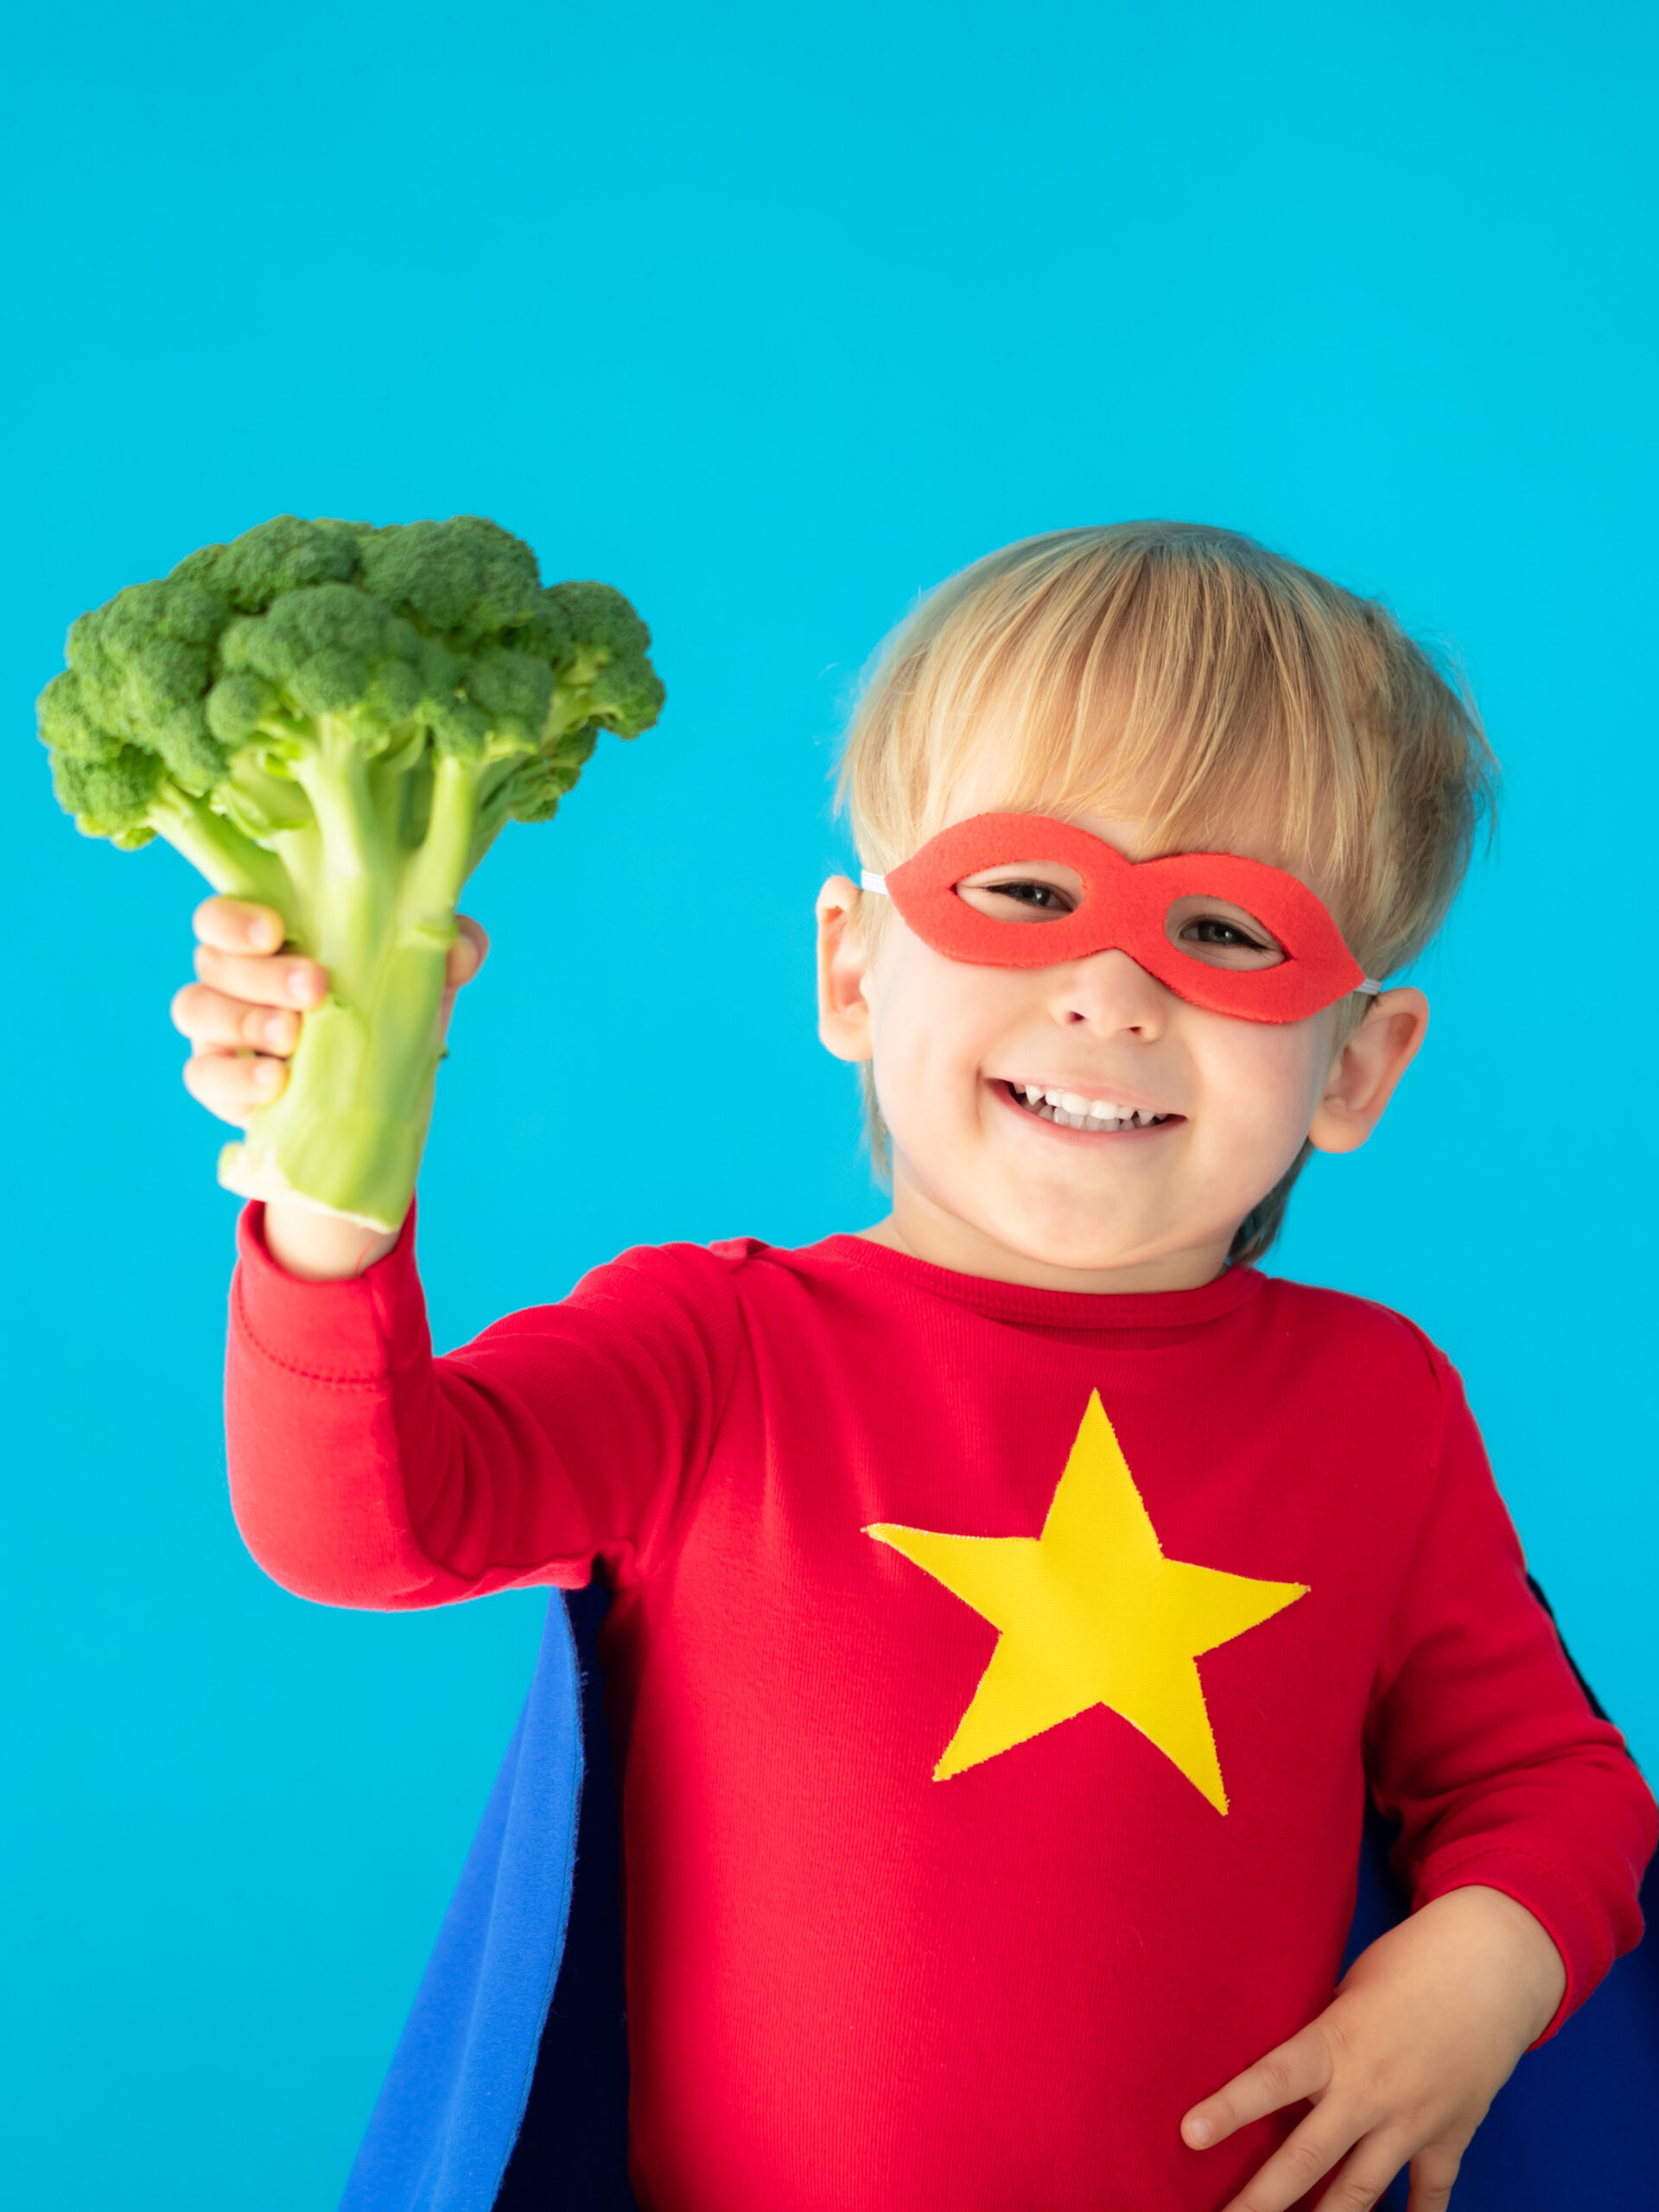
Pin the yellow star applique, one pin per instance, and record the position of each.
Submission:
(1092, 1613)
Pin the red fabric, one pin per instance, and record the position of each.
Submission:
(850, 1985)
(1126, 903)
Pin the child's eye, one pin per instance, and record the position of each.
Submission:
(1225, 939)
(1036, 901)
(1213, 930)
(1047, 896)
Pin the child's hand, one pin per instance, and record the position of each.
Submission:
(242, 1016)
(1401, 2066)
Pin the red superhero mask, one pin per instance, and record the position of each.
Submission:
(1127, 906)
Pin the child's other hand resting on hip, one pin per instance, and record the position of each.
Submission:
(1401, 2067)
(242, 1016)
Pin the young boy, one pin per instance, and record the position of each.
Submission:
(1014, 1600)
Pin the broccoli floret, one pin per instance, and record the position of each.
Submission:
(337, 722)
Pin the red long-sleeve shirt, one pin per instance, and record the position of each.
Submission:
(852, 1982)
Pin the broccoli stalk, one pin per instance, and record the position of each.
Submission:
(338, 721)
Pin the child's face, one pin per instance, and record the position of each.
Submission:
(988, 1180)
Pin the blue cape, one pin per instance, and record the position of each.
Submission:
(509, 2085)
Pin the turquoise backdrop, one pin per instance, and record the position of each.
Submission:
(773, 316)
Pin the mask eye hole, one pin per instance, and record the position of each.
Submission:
(1023, 890)
(1222, 935)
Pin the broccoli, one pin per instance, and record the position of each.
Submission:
(338, 720)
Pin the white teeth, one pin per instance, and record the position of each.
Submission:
(1073, 1111)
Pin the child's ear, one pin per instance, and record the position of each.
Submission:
(1364, 1073)
(843, 1013)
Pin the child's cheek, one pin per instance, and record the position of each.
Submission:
(1261, 1080)
(935, 1024)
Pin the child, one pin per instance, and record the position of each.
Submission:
(1014, 1601)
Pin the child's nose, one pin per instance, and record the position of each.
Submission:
(1110, 992)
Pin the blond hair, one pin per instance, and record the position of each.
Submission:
(1190, 677)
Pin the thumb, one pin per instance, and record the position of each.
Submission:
(468, 953)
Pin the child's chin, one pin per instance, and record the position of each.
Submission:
(1079, 1247)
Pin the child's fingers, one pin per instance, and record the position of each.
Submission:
(213, 1022)
(1295, 2070)
(239, 925)
(1365, 2175)
(1432, 2172)
(283, 979)
(234, 1085)
(468, 953)
(1304, 2159)
(243, 1014)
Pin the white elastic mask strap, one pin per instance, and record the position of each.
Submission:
(870, 881)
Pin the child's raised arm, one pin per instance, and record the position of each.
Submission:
(364, 1471)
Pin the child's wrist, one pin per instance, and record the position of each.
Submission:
(322, 1247)
(1516, 1943)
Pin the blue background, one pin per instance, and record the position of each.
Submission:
(773, 317)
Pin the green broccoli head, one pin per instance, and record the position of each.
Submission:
(423, 637)
(139, 673)
(336, 721)
(599, 647)
(279, 557)
(110, 792)
(598, 650)
(321, 649)
(460, 579)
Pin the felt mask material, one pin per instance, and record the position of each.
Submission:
(1126, 907)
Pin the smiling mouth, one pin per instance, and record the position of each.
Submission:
(1071, 1110)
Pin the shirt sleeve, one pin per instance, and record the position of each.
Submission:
(365, 1471)
(1481, 1742)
